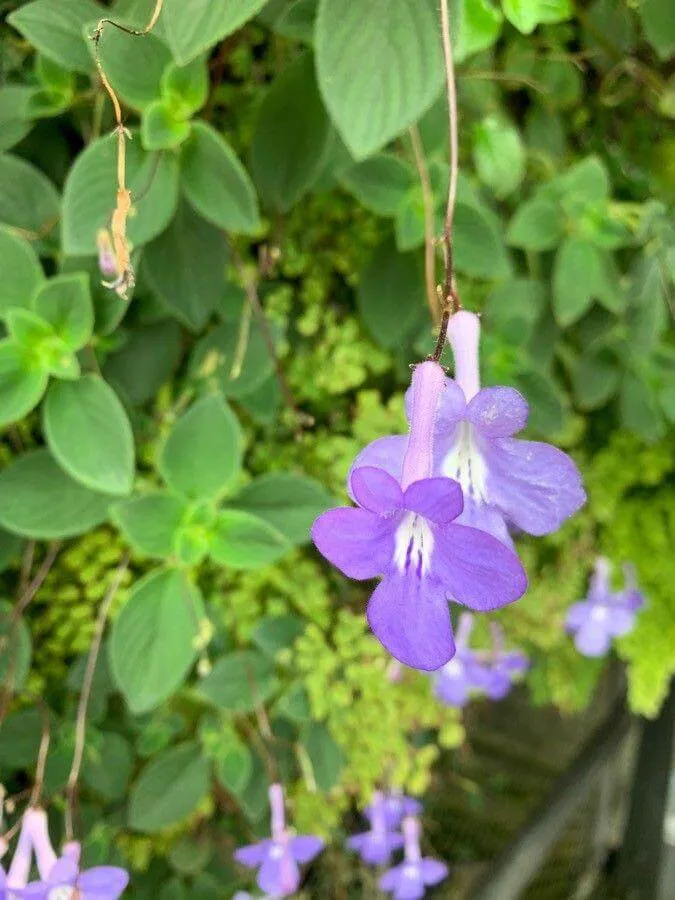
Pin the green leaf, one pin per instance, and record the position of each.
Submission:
(202, 453)
(546, 401)
(169, 788)
(243, 541)
(133, 65)
(65, 303)
(324, 754)
(192, 28)
(380, 183)
(595, 380)
(292, 136)
(379, 66)
(297, 20)
(538, 224)
(21, 385)
(108, 764)
(289, 503)
(146, 361)
(234, 764)
(10, 548)
(214, 356)
(161, 129)
(240, 681)
(477, 25)
(580, 275)
(14, 117)
(527, 14)
(149, 524)
(20, 739)
(276, 633)
(91, 184)
(499, 155)
(639, 407)
(40, 501)
(186, 88)
(658, 24)
(152, 646)
(89, 434)
(20, 271)
(28, 199)
(479, 248)
(55, 28)
(43, 350)
(513, 308)
(391, 282)
(15, 649)
(185, 266)
(216, 184)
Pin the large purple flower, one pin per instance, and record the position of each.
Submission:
(66, 881)
(404, 530)
(409, 880)
(465, 673)
(376, 845)
(604, 614)
(528, 485)
(277, 858)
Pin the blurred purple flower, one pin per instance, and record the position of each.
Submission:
(376, 846)
(65, 880)
(404, 530)
(528, 485)
(504, 667)
(396, 807)
(604, 614)
(277, 858)
(409, 880)
(455, 681)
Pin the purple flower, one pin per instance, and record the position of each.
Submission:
(404, 530)
(504, 667)
(106, 255)
(455, 681)
(528, 485)
(376, 845)
(408, 880)
(604, 614)
(65, 880)
(277, 858)
(396, 807)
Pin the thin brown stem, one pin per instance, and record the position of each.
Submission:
(82, 706)
(43, 751)
(429, 240)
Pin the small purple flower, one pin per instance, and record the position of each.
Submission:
(277, 858)
(504, 667)
(66, 882)
(409, 880)
(396, 807)
(106, 255)
(404, 530)
(457, 679)
(604, 614)
(376, 846)
(506, 482)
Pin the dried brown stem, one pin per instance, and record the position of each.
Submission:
(82, 706)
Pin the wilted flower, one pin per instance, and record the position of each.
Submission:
(506, 481)
(277, 858)
(106, 255)
(376, 845)
(404, 531)
(409, 880)
(604, 614)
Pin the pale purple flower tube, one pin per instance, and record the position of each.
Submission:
(409, 880)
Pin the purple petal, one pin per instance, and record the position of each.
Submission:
(253, 855)
(514, 662)
(385, 453)
(411, 618)
(358, 542)
(451, 407)
(376, 490)
(437, 499)
(498, 412)
(485, 518)
(376, 848)
(433, 871)
(453, 690)
(279, 875)
(620, 620)
(496, 684)
(592, 639)
(63, 872)
(391, 878)
(305, 847)
(535, 485)
(36, 890)
(577, 615)
(476, 569)
(104, 882)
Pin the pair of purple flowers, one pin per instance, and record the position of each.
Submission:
(277, 858)
(604, 614)
(60, 878)
(491, 672)
(434, 506)
(386, 814)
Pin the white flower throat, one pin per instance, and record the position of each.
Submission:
(466, 465)
(413, 545)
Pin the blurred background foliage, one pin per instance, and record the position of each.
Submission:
(275, 172)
